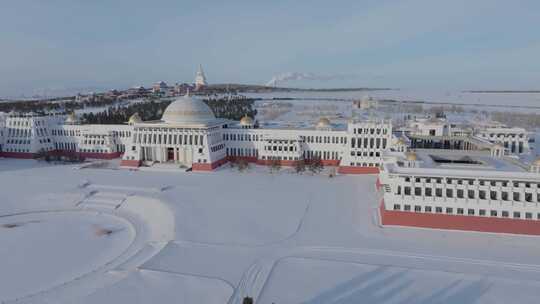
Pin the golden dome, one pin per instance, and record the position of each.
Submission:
(411, 156)
(71, 118)
(400, 141)
(246, 121)
(323, 123)
(135, 118)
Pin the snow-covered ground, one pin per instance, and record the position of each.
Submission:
(437, 96)
(121, 236)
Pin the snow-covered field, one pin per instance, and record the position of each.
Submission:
(72, 235)
(437, 96)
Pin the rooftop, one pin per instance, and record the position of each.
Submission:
(472, 164)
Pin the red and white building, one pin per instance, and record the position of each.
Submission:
(478, 186)
(460, 190)
(189, 136)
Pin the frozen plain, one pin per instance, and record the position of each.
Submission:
(72, 235)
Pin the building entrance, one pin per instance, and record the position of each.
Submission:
(170, 154)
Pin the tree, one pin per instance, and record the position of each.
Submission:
(247, 300)
(332, 173)
(300, 166)
(315, 165)
(41, 155)
(275, 165)
(242, 165)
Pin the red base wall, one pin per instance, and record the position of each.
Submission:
(267, 162)
(130, 163)
(208, 166)
(459, 222)
(358, 170)
(63, 153)
(100, 155)
(249, 159)
(330, 162)
(20, 155)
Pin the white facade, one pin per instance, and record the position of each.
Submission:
(189, 135)
(515, 140)
(461, 183)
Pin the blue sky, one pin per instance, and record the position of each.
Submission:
(478, 44)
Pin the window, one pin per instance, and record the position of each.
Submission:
(417, 191)
(407, 190)
(438, 209)
(505, 214)
(417, 208)
(438, 192)
(397, 207)
(517, 214)
(482, 212)
(428, 209)
(407, 207)
(460, 193)
(460, 211)
(482, 194)
(470, 212)
(428, 192)
(449, 193)
(493, 213)
(528, 215)
(449, 210)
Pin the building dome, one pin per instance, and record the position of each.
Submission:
(135, 118)
(188, 110)
(411, 156)
(71, 118)
(400, 141)
(246, 121)
(323, 123)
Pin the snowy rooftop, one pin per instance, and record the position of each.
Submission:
(465, 163)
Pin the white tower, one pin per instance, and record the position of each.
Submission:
(200, 79)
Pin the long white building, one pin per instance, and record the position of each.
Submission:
(464, 182)
(190, 136)
(464, 190)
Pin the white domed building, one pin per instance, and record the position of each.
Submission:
(188, 135)
(324, 124)
(246, 122)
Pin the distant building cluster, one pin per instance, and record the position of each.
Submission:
(432, 172)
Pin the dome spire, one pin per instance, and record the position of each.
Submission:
(200, 79)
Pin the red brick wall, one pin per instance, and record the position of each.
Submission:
(249, 159)
(130, 163)
(208, 166)
(63, 153)
(21, 155)
(459, 222)
(358, 170)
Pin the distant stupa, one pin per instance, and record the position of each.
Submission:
(200, 79)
